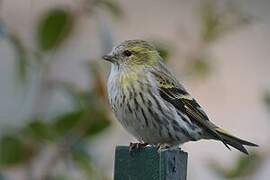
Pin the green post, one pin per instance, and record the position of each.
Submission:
(149, 164)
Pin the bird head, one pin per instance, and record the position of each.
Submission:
(132, 54)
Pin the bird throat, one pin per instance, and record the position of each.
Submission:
(127, 78)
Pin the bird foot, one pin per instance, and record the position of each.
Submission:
(134, 146)
(161, 147)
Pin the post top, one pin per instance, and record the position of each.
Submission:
(149, 163)
(151, 149)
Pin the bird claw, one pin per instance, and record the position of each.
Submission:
(161, 147)
(134, 146)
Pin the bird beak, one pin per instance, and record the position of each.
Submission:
(108, 58)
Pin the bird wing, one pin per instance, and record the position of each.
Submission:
(174, 93)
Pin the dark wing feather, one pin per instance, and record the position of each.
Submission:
(174, 93)
(171, 91)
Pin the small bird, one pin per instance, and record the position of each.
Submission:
(152, 105)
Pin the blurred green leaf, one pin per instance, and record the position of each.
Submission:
(164, 51)
(244, 166)
(86, 122)
(21, 57)
(54, 27)
(113, 7)
(38, 130)
(97, 122)
(199, 67)
(267, 99)
(64, 123)
(12, 150)
(210, 21)
(216, 21)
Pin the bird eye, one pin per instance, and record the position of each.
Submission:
(127, 53)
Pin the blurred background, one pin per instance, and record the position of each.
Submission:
(55, 122)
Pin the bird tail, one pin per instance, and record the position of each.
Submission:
(233, 141)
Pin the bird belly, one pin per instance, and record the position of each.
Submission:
(149, 126)
(147, 117)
